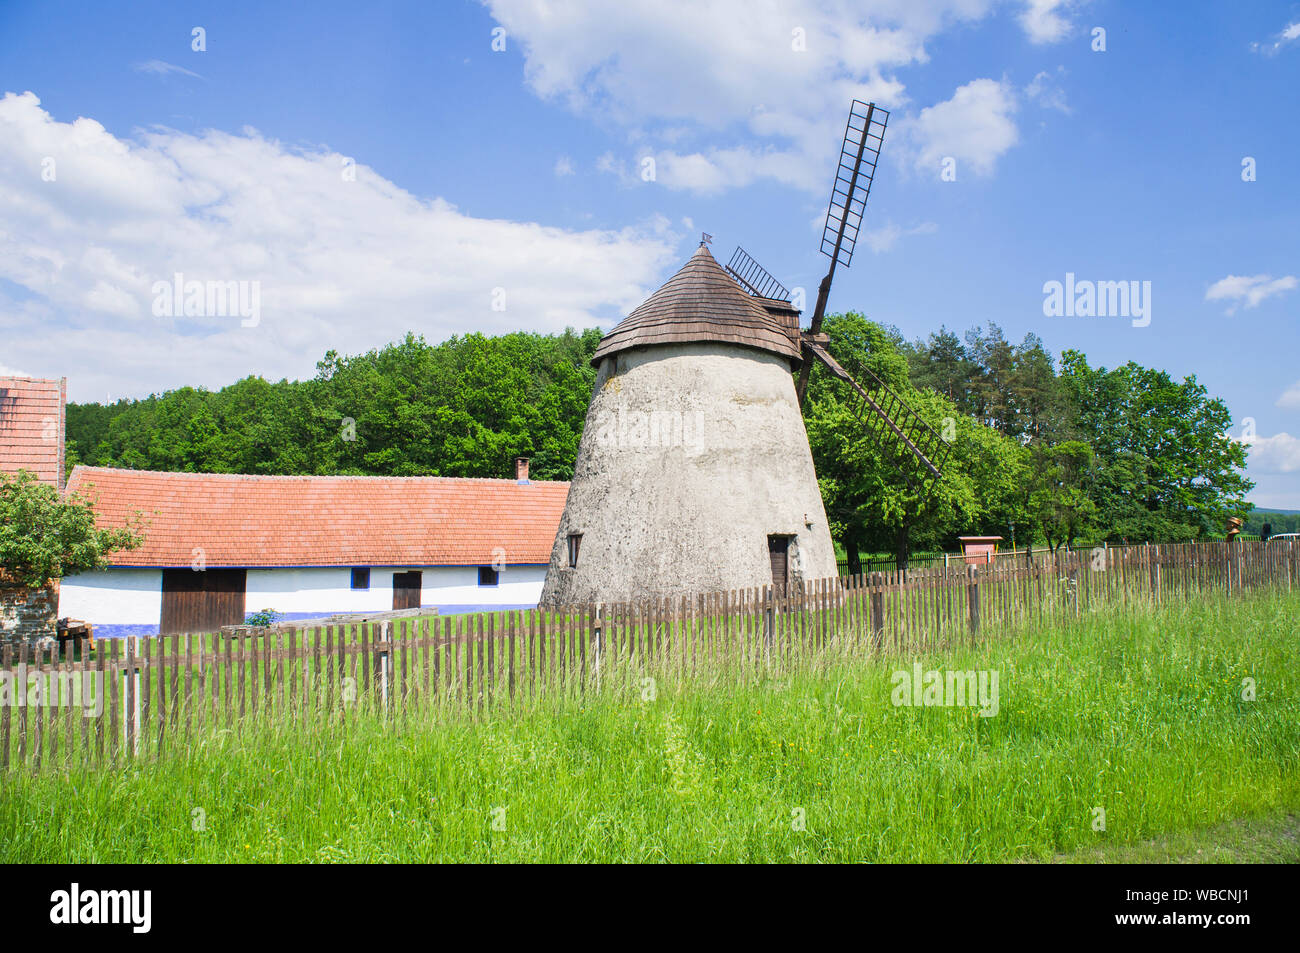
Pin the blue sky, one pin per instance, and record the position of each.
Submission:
(502, 189)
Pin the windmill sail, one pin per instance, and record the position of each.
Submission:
(864, 134)
(889, 418)
(754, 278)
(912, 444)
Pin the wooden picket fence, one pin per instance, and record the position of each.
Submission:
(141, 696)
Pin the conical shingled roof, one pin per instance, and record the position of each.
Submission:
(702, 303)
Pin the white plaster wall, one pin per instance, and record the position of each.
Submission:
(134, 596)
(328, 590)
(692, 455)
(458, 585)
(322, 590)
(113, 596)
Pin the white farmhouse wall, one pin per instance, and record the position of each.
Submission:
(318, 591)
(128, 601)
(328, 590)
(113, 596)
(457, 586)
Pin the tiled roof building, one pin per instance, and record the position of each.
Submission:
(281, 521)
(31, 427)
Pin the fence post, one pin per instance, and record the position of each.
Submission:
(130, 730)
(1157, 574)
(878, 608)
(598, 638)
(768, 622)
(385, 664)
(973, 598)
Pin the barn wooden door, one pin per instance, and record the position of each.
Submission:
(778, 551)
(201, 601)
(406, 590)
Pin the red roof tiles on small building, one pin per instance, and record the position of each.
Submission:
(266, 521)
(31, 427)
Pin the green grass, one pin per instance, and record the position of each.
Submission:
(1138, 713)
(1273, 839)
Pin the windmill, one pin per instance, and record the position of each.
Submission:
(916, 449)
(694, 473)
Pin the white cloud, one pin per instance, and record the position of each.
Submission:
(1288, 35)
(974, 127)
(1249, 291)
(163, 68)
(1045, 90)
(348, 265)
(884, 239)
(727, 93)
(7, 371)
(563, 166)
(720, 169)
(1044, 21)
(1279, 453)
(1290, 399)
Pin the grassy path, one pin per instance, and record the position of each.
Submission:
(1269, 840)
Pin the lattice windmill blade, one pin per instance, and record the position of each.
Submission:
(754, 278)
(916, 449)
(864, 135)
(890, 421)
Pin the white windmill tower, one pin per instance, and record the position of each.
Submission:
(694, 472)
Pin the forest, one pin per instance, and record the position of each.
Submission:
(1043, 451)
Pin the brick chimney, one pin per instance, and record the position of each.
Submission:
(521, 469)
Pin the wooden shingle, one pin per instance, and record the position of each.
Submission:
(702, 303)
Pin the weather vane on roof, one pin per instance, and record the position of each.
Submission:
(706, 238)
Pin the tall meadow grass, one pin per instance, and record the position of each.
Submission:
(1141, 714)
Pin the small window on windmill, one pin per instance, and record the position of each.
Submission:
(575, 543)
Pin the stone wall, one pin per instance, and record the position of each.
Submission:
(27, 615)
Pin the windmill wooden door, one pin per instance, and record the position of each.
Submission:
(406, 590)
(201, 601)
(778, 551)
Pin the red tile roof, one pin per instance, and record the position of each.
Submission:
(31, 427)
(325, 520)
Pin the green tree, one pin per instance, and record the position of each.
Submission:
(1059, 501)
(941, 364)
(465, 407)
(1165, 467)
(870, 503)
(43, 537)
